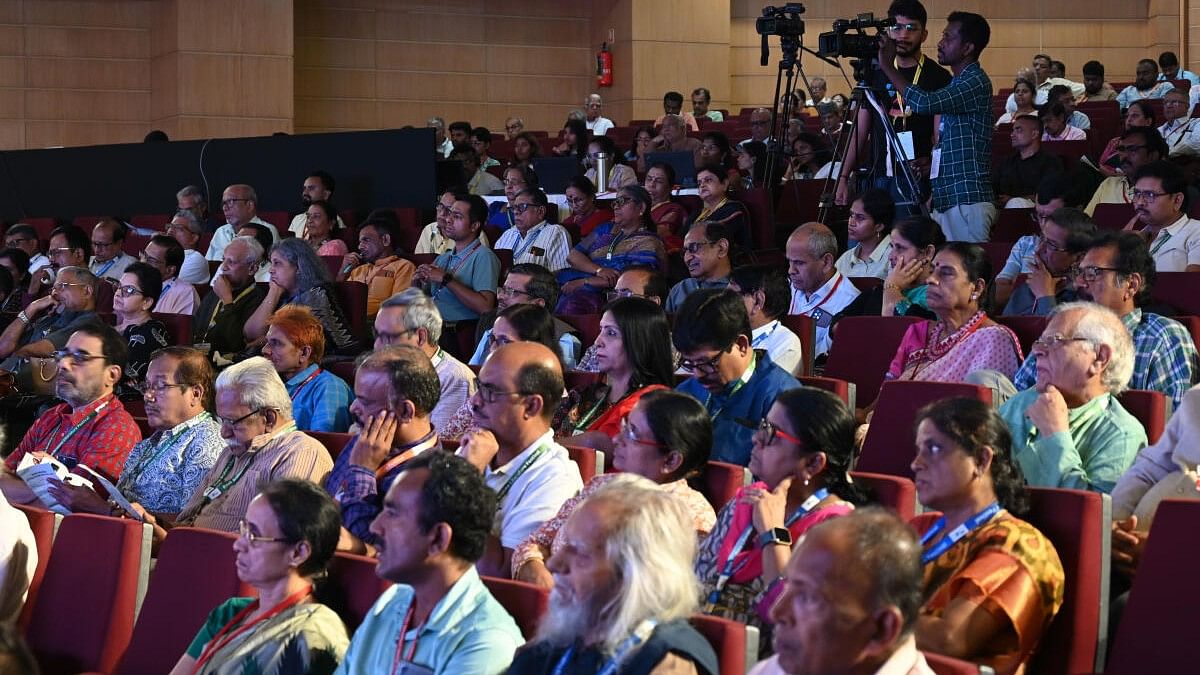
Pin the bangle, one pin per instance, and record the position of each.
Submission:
(23, 317)
(893, 287)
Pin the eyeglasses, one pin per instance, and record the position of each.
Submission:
(77, 358)
(160, 388)
(233, 423)
(576, 200)
(627, 434)
(522, 208)
(905, 28)
(706, 365)
(622, 201)
(1147, 195)
(619, 293)
(251, 538)
(60, 250)
(514, 183)
(696, 246)
(1048, 342)
(126, 291)
(767, 431)
(508, 292)
(1131, 148)
(16, 241)
(149, 259)
(234, 200)
(62, 285)
(1092, 272)
(489, 394)
(102, 244)
(1042, 241)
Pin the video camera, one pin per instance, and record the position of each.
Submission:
(841, 43)
(782, 21)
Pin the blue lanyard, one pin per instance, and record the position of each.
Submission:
(107, 267)
(728, 569)
(530, 240)
(639, 635)
(758, 341)
(956, 535)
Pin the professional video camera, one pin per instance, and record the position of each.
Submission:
(782, 21)
(841, 43)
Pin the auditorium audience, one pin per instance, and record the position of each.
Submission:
(715, 149)
(672, 137)
(295, 345)
(701, 98)
(915, 240)
(532, 240)
(16, 261)
(1023, 94)
(819, 291)
(585, 214)
(1139, 146)
(442, 146)
(1052, 194)
(395, 389)
(439, 616)
(643, 143)
(621, 573)
(480, 181)
(166, 255)
(239, 203)
(993, 582)
(637, 281)
(187, 228)
(811, 157)
(597, 260)
(377, 264)
(1094, 86)
(411, 318)
(1019, 174)
(24, 237)
(575, 137)
(69, 247)
(526, 148)
(734, 380)
(869, 226)
(665, 438)
(1179, 129)
(765, 290)
(619, 175)
(1055, 125)
(531, 284)
(667, 215)
(707, 255)
(318, 186)
(46, 323)
(481, 142)
(1160, 202)
(713, 186)
(286, 541)
(462, 281)
(136, 295)
(109, 261)
(433, 238)
(1050, 280)
(1146, 84)
(320, 231)
(513, 445)
(802, 450)
(218, 324)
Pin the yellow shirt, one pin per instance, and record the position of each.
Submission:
(384, 278)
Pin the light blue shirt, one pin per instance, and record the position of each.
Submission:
(568, 345)
(467, 632)
(320, 404)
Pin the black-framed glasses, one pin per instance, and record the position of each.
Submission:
(102, 244)
(509, 291)
(1147, 195)
(1043, 241)
(392, 338)
(126, 291)
(706, 365)
(233, 423)
(233, 200)
(489, 393)
(767, 431)
(617, 294)
(522, 208)
(160, 388)
(252, 539)
(63, 285)
(1092, 272)
(77, 358)
(1048, 342)
(696, 246)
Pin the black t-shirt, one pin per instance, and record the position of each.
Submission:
(933, 77)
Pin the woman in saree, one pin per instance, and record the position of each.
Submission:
(585, 214)
(993, 582)
(667, 214)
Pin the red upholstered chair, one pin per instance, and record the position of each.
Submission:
(92, 578)
(506, 260)
(1013, 224)
(896, 493)
(728, 640)
(179, 326)
(762, 226)
(588, 326)
(1149, 407)
(840, 388)
(151, 221)
(945, 665)
(720, 481)
(806, 329)
(580, 380)
(1078, 523)
(351, 587)
(43, 523)
(526, 602)
(1112, 216)
(864, 284)
(333, 263)
(134, 244)
(997, 253)
(863, 348)
(889, 447)
(352, 296)
(589, 460)
(333, 442)
(195, 573)
(280, 219)
(1178, 289)
(104, 298)
(799, 202)
(1027, 328)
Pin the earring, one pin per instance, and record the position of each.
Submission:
(806, 481)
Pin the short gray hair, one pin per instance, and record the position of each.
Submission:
(193, 221)
(192, 191)
(1100, 325)
(821, 240)
(251, 194)
(83, 276)
(257, 385)
(256, 249)
(419, 311)
(593, 96)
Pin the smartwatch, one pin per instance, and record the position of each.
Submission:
(775, 535)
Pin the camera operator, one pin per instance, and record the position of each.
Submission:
(960, 164)
(880, 170)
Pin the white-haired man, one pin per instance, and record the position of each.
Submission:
(596, 123)
(623, 588)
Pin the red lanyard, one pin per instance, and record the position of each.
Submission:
(312, 376)
(400, 656)
(831, 292)
(217, 643)
(405, 456)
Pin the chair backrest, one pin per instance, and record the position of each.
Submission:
(351, 587)
(758, 206)
(333, 263)
(806, 329)
(1012, 224)
(525, 602)
(997, 253)
(1027, 328)
(104, 298)
(863, 348)
(1150, 408)
(889, 447)
(1160, 615)
(864, 284)
(1112, 216)
(93, 578)
(42, 522)
(588, 326)
(799, 201)
(280, 219)
(720, 481)
(840, 388)
(580, 380)
(589, 460)
(1178, 289)
(352, 296)
(728, 640)
(195, 573)
(333, 441)
(896, 493)
(178, 325)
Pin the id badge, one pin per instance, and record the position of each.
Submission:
(935, 163)
(906, 145)
(410, 668)
(212, 493)
(537, 251)
(822, 318)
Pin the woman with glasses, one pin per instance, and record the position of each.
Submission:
(619, 175)
(1139, 114)
(320, 230)
(585, 214)
(516, 179)
(666, 438)
(870, 226)
(286, 541)
(643, 142)
(712, 183)
(133, 300)
(597, 260)
(801, 458)
(1023, 94)
(526, 148)
(667, 215)
(993, 582)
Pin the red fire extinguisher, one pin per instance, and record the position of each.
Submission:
(604, 72)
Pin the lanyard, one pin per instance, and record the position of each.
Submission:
(942, 545)
(421, 446)
(830, 293)
(75, 429)
(742, 381)
(220, 640)
(765, 336)
(400, 656)
(520, 471)
(312, 376)
(1159, 242)
(731, 567)
(107, 266)
(212, 321)
(150, 457)
(639, 635)
(438, 357)
(166, 287)
(471, 250)
(530, 240)
(220, 485)
(616, 240)
(905, 112)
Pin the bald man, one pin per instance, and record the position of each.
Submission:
(818, 289)
(513, 445)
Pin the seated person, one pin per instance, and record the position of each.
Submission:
(233, 300)
(46, 323)
(1160, 193)
(715, 149)
(811, 158)
(713, 188)
(525, 149)
(1066, 235)
(513, 446)
(643, 143)
(594, 607)
(439, 505)
(109, 261)
(1139, 114)
(664, 438)
(870, 225)
(186, 227)
(1052, 194)
(819, 291)
(575, 136)
(166, 255)
(1179, 129)
(915, 240)
(239, 206)
(395, 388)
(295, 345)
(1145, 85)
(962, 339)
(299, 277)
(701, 98)
(16, 261)
(619, 175)
(292, 632)
(262, 445)
(1063, 94)
(1118, 273)
(672, 137)
(673, 105)
(597, 260)
(1068, 429)
(481, 142)
(1024, 97)
(734, 380)
(633, 355)
(1055, 126)
(530, 284)
(25, 237)
(165, 468)
(135, 297)
(637, 281)
(866, 567)
(1019, 174)
(91, 427)
(500, 213)
(377, 264)
(263, 236)
(707, 255)
(532, 239)
(993, 582)
(1139, 146)
(766, 292)
(18, 562)
(480, 181)
(801, 454)
(69, 247)
(667, 215)
(581, 199)
(321, 229)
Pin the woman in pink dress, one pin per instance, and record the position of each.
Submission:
(319, 231)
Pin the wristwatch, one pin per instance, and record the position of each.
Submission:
(775, 535)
